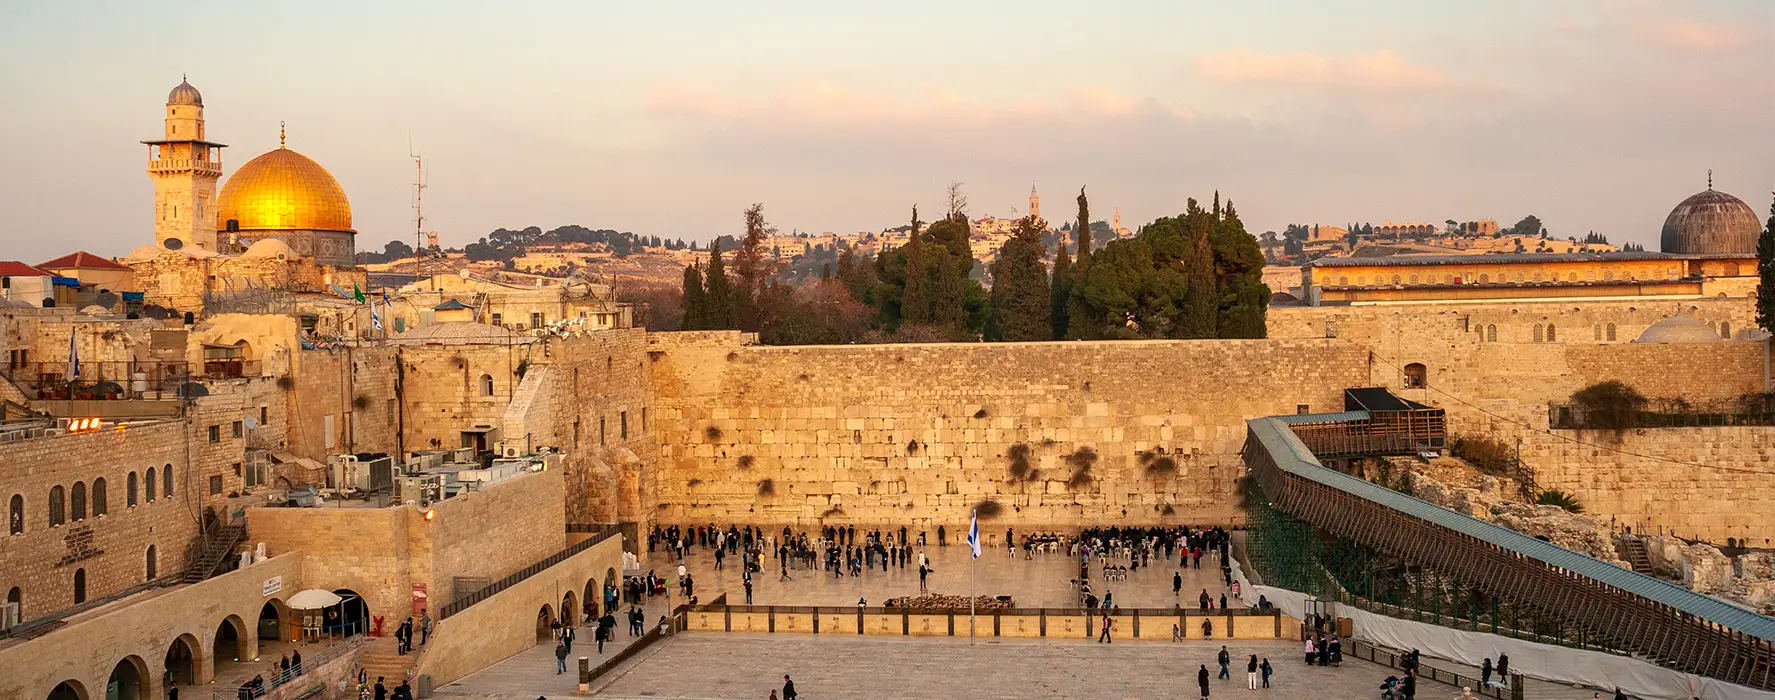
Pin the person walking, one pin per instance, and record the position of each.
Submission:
(567, 635)
(1224, 659)
(1107, 623)
(296, 663)
(560, 658)
(748, 591)
(788, 688)
(1485, 674)
(1265, 668)
(1202, 679)
(381, 690)
(424, 627)
(1177, 584)
(1503, 669)
(1311, 652)
(1207, 628)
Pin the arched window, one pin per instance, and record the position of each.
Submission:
(1395, 279)
(1552, 334)
(1414, 279)
(1518, 277)
(77, 501)
(1484, 278)
(1596, 332)
(15, 516)
(1343, 280)
(153, 563)
(57, 510)
(99, 507)
(17, 597)
(1611, 331)
(79, 586)
(166, 481)
(1416, 375)
(1731, 269)
(1538, 332)
(486, 385)
(150, 484)
(1491, 334)
(1726, 330)
(129, 492)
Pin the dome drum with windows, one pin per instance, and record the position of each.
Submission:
(286, 196)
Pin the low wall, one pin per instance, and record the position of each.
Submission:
(1057, 623)
(504, 623)
(335, 677)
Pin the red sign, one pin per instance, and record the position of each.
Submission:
(418, 599)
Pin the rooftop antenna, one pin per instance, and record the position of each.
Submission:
(418, 209)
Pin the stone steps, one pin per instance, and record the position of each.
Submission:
(380, 658)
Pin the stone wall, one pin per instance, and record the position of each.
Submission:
(139, 630)
(110, 551)
(505, 623)
(443, 390)
(343, 400)
(891, 434)
(382, 553)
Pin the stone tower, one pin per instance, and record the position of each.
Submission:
(1035, 203)
(185, 168)
(1116, 227)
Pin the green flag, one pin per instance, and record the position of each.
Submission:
(356, 293)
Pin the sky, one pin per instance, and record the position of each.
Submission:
(669, 119)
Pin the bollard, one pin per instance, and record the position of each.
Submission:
(585, 674)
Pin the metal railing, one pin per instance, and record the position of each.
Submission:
(654, 635)
(50, 381)
(283, 677)
(518, 576)
(1389, 658)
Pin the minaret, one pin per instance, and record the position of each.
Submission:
(1035, 203)
(184, 168)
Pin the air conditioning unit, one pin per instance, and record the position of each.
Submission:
(52, 432)
(463, 455)
(512, 452)
(8, 616)
(421, 489)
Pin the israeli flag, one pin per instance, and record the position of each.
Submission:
(73, 358)
(375, 319)
(974, 533)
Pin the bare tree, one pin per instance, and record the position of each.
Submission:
(958, 201)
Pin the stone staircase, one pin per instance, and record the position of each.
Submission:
(219, 552)
(381, 658)
(1633, 551)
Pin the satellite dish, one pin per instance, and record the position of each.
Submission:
(106, 299)
(192, 390)
(251, 423)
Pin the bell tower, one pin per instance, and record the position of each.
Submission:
(1035, 203)
(185, 168)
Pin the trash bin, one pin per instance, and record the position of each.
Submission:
(422, 685)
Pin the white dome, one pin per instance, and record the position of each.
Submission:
(270, 248)
(1680, 329)
(147, 252)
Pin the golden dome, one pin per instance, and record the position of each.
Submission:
(283, 190)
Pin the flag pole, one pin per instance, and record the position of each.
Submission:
(973, 566)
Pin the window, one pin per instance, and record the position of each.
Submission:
(129, 494)
(150, 485)
(216, 485)
(1491, 333)
(486, 385)
(643, 419)
(1484, 278)
(600, 430)
(152, 563)
(1416, 376)
(1538, 332)
(1726, 329)
(98, 497)
(15, 516)
(57, 514)
(536, 319)
(79, 586)
(236, 429)
(1301, 409)
(623, 424)
(166, 481)
(264, 415)
(1552, 334)
(17, 598)
(496, 319)
(1611, 331)
(400, 324)
(390, 412)
(1414, 279)
(215, 436)
(1395, 279)
(77, 501)
(1596, 332)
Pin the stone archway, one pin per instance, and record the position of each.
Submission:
(232, 645)
(593, 597)
(545, 624)
(274, 620)
(129, 680)
(184, 661)
(68, 690)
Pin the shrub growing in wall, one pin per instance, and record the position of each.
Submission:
(1610, 405)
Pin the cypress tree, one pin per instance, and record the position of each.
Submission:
(718, 306)
(1060, 292)
(694, 306)
(1201, 299)
(1766, 274)
(915, 299)
(1020, 295)
(1083, 229)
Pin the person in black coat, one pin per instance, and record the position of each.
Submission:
(1202, 679)
(788, 688)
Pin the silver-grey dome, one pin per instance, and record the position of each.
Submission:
(184, 94)
(1711, 222)
(1680, 329)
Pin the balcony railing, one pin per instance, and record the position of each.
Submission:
(100, 381)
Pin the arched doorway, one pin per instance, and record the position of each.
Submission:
(232, 645)
(271, 622)
(129, 680)
(68, 690)
(545, 624)
(1417, 376)
(570, 610)
(592, 595)
(351, 616)
(611, 582)
(182, 660)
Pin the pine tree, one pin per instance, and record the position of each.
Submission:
(695, 311)
(1766, 274)
(718, 307)
(1020, 294)
(1060, 292)
(752, 268)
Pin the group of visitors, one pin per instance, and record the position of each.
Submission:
(403, 635)
(380, 690)
(1257, 673)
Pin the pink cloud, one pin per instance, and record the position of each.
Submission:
(820, 103)
(1690, 35)
(1379, 72)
